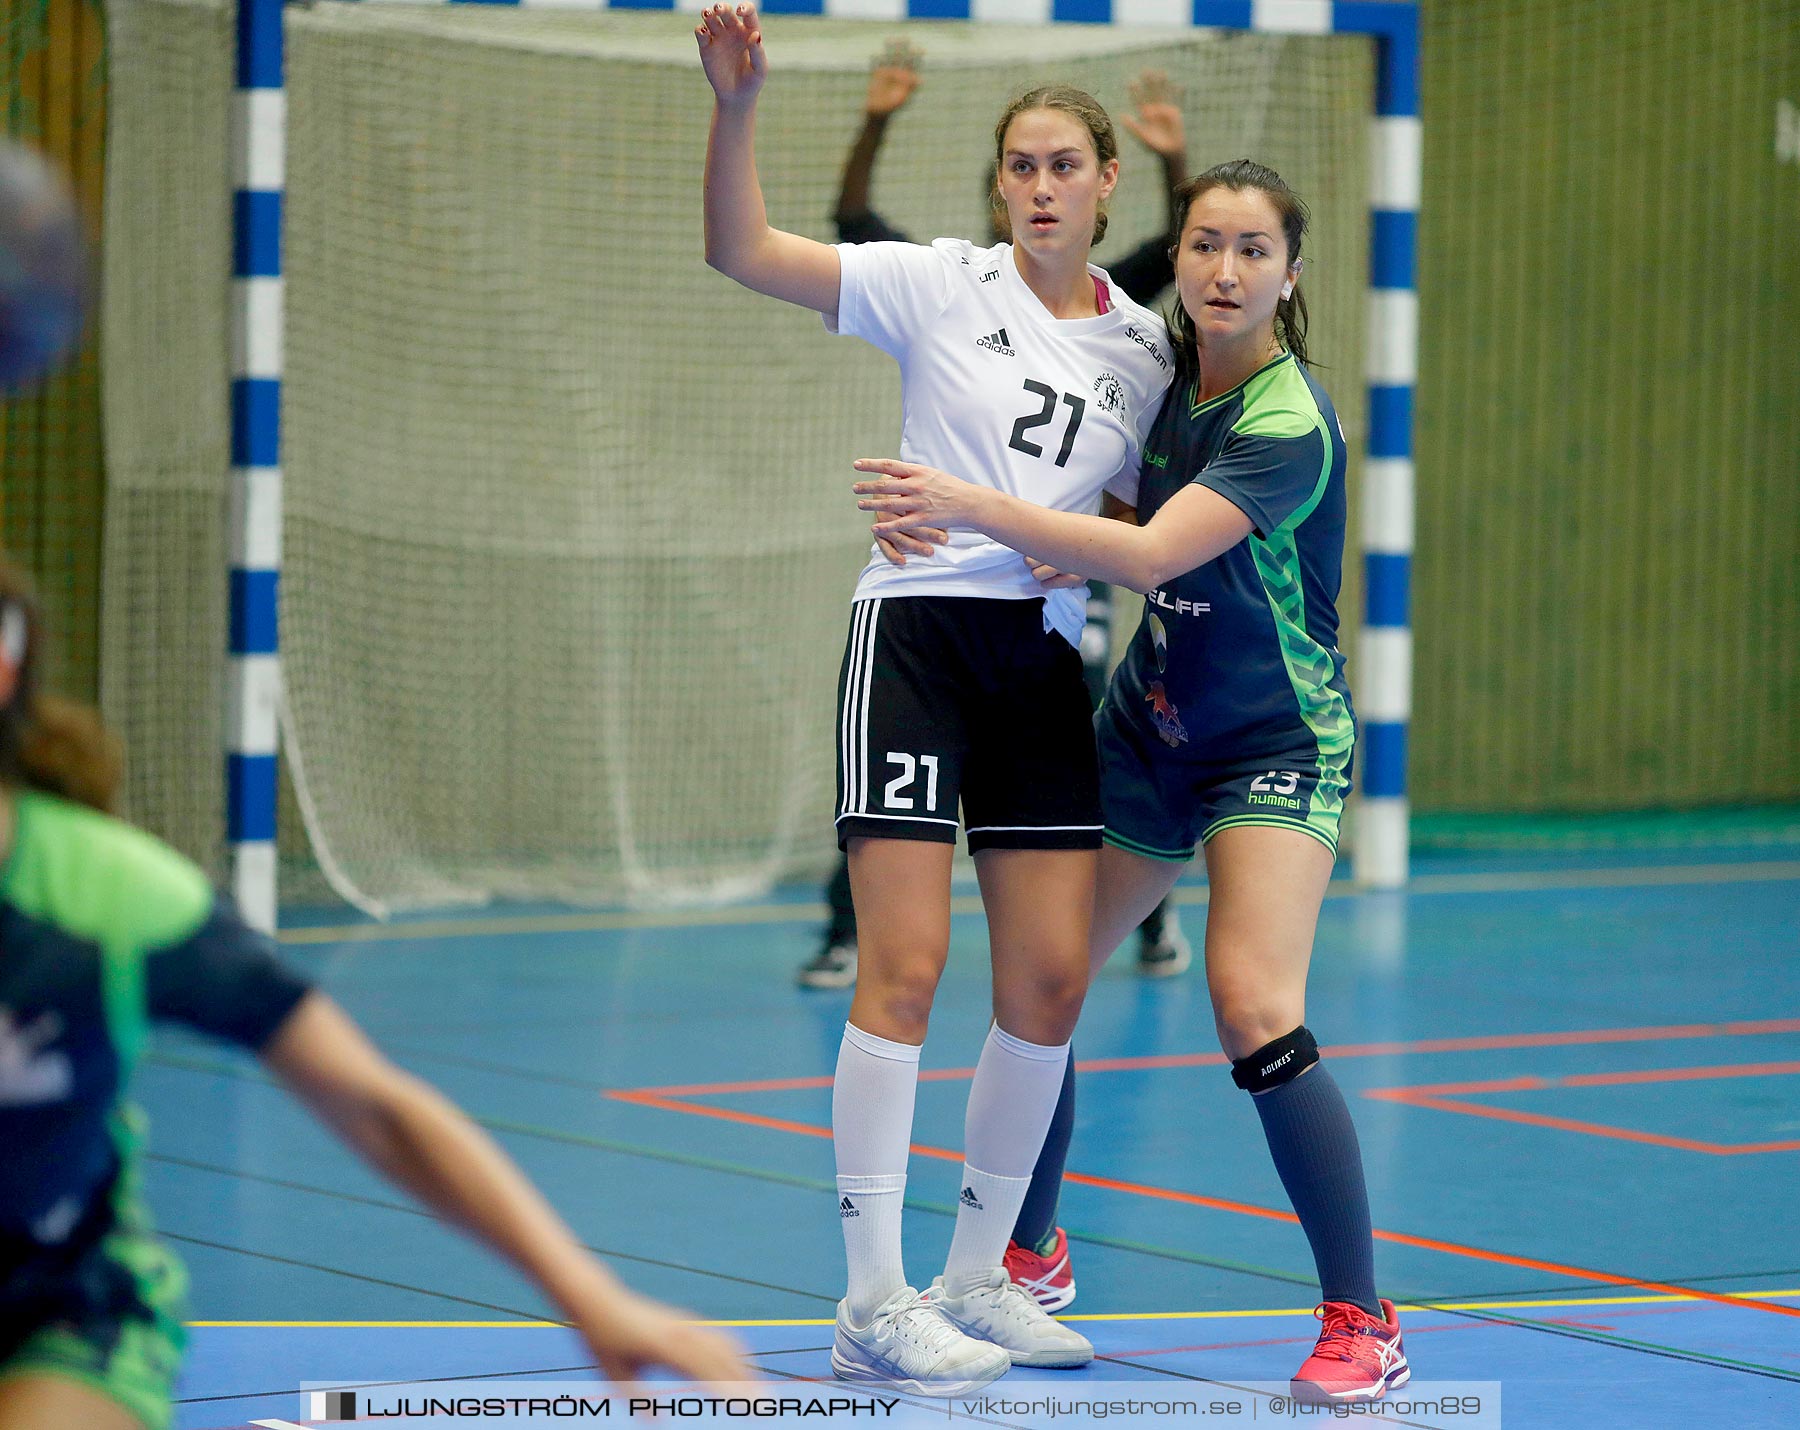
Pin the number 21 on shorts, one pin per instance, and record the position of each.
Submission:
(896, 796)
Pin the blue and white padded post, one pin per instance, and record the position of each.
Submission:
(259, 137)
(1383, 680)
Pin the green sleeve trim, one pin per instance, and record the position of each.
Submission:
(99, 879)
(1278, 403)
(103, 882)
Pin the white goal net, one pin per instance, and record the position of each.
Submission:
(569, 540)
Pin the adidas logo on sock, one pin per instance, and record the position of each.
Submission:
(847, 1208)
(971, 1201)
(996, 343)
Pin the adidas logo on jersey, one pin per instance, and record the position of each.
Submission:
(997, 343)
(971, 1201)
(847, 1208)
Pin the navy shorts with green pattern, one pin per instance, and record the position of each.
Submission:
(1165, 809)
(111, 1320)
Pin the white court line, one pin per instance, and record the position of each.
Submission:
(1556, 1303)
(1771, 871)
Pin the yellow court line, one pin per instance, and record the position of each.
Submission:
(1111, 1316)
(812, 912)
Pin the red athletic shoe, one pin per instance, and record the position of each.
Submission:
(1357, 1357)
(1048, 1280)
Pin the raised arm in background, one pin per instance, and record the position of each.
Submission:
(891, 83)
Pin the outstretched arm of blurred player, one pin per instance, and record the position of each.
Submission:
(409, 1132)
(739, 241)
(891, 84)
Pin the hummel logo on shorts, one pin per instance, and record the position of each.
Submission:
(997, 343)
(847, 1208)
(970, 1200)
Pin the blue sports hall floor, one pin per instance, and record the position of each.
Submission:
(1576, 1079)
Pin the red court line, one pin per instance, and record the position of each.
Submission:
(1680, 1074)
(1446, 1097)
(1490, 1043)
(647, 1098)
(1602, 1079)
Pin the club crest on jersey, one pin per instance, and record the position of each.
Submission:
(1112, 393)
(997, 342)
(1166, 716)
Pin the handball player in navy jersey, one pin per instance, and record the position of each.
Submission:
(105, 930)
(1228, 725)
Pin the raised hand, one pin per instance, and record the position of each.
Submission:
(893, 79)
(731, 52)
(1157, 122)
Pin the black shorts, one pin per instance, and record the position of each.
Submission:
(955, 698)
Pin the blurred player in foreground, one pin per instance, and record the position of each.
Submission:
(104, 930)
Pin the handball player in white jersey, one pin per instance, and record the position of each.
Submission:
(1026, 367)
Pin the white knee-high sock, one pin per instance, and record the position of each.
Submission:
(1010, 1104)
(871, 1128)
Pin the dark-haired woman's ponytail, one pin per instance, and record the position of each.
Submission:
(47, 743)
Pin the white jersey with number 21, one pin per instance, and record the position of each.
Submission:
(999, 392)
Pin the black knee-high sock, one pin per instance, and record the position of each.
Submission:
(1038, 1216)
(1319, 1160)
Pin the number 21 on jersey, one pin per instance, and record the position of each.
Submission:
(1048, 396)
(896, 796)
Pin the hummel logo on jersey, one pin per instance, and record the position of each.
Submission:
(997, 343)
(970, 1200)
(847, 1208)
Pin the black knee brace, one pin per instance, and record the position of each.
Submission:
(1275, 1063)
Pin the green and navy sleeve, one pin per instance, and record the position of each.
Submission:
(223, 979)
(1271, 476)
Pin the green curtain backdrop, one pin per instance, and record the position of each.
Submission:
(1607, 587)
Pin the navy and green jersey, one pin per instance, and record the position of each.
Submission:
(1239, 657)
(103, 929)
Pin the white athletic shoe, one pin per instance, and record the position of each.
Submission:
(996, 1309)
(910, 1345)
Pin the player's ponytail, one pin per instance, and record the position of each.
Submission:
(47, 743)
